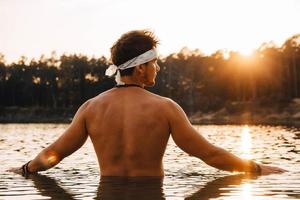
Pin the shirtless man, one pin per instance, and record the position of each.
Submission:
(130, 127)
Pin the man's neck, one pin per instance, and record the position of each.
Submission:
(128, 80)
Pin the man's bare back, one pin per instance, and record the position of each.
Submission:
(129, 130)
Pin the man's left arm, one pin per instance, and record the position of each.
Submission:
(70, 141)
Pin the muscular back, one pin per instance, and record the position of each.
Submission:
(129, 130)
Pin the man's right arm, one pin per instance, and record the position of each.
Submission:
(70, 141)
(193, 143)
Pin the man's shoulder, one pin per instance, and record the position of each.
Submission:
(169, 104)
(94, 100)
(164, 102)
(100, 97)
(163, 99)
(159, 98)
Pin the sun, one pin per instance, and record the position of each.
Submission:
(246, 51)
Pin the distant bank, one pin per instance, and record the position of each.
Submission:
(233, 113)
(36, 115)
(252, 113)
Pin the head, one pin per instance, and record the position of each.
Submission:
(131, 45)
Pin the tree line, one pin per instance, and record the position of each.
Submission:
(196, 81)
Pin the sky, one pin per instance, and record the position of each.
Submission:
(34, 27)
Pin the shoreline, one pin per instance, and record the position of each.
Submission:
(36, 115)
(285, 122)
(221, 117)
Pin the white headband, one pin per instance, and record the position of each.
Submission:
(141, 59)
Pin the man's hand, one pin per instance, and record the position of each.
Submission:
(266, 169)
(17, 170)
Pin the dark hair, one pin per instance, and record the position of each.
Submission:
(130, 45)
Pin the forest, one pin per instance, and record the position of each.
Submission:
(198, 82)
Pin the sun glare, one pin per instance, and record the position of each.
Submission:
(246, 191)
(247, 52)
(246, 143)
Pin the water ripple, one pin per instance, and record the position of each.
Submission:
(77, 177)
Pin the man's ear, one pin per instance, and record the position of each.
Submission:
(140, 68)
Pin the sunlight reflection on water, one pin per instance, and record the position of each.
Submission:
(246, 143)
(186, 177)
(246, 191)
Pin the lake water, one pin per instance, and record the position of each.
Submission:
(77, 177)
